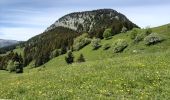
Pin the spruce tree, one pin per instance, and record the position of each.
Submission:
(81, 58)
(69, 58)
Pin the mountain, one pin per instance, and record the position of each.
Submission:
(61, 34)
(87, 21)
(4, 43)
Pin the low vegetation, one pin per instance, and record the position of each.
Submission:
(81, 41)
(107, 33)
(95, 43)
(119, 45)
(106, 46)
(153, 38)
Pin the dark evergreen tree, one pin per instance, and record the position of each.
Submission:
(81, 58)
(69, 58)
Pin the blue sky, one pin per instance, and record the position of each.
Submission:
(23, 19)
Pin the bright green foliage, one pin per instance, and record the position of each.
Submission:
(107, 33)
(14, 66)
(139, 37)
(95, 43)
(81, 58)
(81, 41)
(106, 46)
(119, 45)
(69, 58)
(153, 38)
(134, 33)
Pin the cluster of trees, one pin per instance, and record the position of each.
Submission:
(49, 44)
(12, 62)
(8, 48)
(5, 49)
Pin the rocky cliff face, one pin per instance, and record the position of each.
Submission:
(88, 20)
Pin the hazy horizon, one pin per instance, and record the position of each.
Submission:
(21, 19)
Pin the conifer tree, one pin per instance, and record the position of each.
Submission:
(81, 58)
(69, 58)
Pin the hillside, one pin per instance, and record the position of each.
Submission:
(139, 72)
(60, 35)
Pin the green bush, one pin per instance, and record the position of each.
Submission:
(69, 58)
(81, 58)
(10, 66)
(134, 33)
(14, 66)
(106, 46)
(139, 37)
(153, 38)
(107, 33)
(148, 31)
(95, 43)
(81, 42)
(119, 46)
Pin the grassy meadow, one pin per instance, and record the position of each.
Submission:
(140, 75)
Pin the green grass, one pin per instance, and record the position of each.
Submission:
(143, 75)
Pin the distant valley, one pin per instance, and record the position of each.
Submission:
(4, 43)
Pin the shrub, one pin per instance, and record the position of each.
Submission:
(148, 31)
(133, 33)
(139, 37)
(69, 58)
(81, 41)
(14, 66)
(95, 43)
(81, 58)
(152, 39)
(124, 29)
(119, 46)
(106, 46)
(107, 33)
(11, 67)
(55, 53)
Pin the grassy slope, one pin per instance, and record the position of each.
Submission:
(104, 75)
